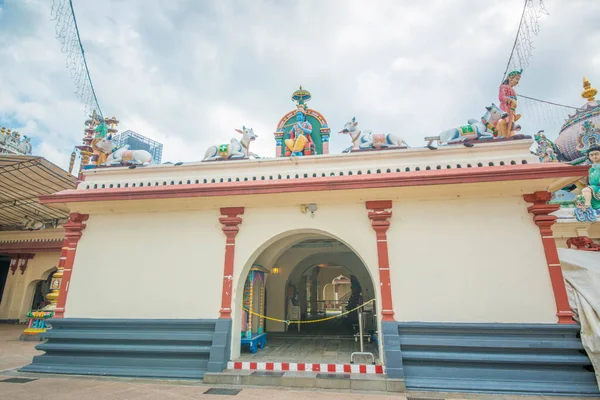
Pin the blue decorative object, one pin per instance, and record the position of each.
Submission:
(255, 341)
(252, 318)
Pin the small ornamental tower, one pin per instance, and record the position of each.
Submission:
(96, 128)
(302, 131)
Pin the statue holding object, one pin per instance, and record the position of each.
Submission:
(236, 149)
(300, 141)
(508, 104)
(475, 130)
(369, 140)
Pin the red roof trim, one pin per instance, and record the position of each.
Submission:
(371, 181)
(31, 246)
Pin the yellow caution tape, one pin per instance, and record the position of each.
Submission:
(308, 321)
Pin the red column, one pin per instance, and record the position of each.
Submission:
(74, 228)
(231, 226)
(542, 218)
(379, 214)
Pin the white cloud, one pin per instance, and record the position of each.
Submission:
(188, 73)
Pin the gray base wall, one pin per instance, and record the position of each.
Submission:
(546, 359)
(134, 348)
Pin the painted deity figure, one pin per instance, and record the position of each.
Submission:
(591, 193)
(508, 103)
(300, 141)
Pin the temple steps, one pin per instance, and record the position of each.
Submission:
(132, 335)
(133, 348)
(491, 357)
(123, 348)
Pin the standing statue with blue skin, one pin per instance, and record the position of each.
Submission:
(300, 141)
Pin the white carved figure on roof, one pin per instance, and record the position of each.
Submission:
(236, 149)
(474, 130)
(369, 140)
(545, 151)
(121, 155)
(24, 146)
(12, 139)
(32, 225)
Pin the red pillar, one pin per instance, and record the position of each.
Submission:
(379, 214)
(542, 218)
(231, 226)
(74, 228)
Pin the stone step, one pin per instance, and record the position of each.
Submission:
(294, 379)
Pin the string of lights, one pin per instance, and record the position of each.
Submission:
(67, 34)
(529, 27)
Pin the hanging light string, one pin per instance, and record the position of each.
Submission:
(548, 102)
(67, 34)
(529, 26)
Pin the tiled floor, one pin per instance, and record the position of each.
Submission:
(14, 352)
(308, 349)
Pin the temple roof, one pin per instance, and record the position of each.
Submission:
(22, 180)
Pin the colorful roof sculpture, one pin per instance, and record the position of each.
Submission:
(574, 136)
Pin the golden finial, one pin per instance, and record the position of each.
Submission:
(588, 91)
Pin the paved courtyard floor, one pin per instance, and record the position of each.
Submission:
(21, 386)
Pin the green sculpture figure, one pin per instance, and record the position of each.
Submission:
(591, 193)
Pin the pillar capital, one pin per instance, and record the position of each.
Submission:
(24, 260)
(379, 214)
(75, 226)
(231, 221)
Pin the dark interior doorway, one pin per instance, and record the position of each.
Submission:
(42, 288)
(4, 267)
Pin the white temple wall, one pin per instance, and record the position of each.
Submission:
(148, 265)
(461, 260)
(468, 260)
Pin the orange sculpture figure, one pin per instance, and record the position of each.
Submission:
(508, 104)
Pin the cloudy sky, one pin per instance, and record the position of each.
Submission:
(186, 73)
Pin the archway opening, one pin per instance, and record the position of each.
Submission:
(308, 289)
(42, 288)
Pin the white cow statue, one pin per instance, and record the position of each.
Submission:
(474, 130)
(122, 155)
(236, 149)
(369, 140)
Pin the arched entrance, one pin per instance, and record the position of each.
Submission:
(42, 288)
(317, 279)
